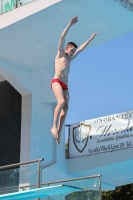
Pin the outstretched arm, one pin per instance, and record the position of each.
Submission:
(62, 37)
(84, 45)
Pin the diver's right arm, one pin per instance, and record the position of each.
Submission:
(62, 37)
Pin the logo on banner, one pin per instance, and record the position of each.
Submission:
(81, 136)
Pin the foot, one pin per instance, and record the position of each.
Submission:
(54, 132)
(58, 139)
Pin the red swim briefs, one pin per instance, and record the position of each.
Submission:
(63, 85)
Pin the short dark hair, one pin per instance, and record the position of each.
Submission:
(72, 44)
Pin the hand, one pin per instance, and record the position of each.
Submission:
(74, 20)
(93, 35)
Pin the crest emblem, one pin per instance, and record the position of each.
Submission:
(80, 136)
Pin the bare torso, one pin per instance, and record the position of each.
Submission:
(62, 67)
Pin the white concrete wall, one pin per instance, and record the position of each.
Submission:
(24, 11)
(38, 103)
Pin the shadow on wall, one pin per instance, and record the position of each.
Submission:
(48, 145)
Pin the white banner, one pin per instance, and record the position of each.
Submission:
(101, 135)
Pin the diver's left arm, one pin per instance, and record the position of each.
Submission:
(84, 45)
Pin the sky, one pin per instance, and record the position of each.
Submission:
(101, 80)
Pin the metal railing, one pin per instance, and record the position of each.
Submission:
(38, 185)
(69, 182)
(73, 179)
(78, 179)
(8, 5)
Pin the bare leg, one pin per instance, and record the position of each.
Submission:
(63, 114)
(59, 94)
